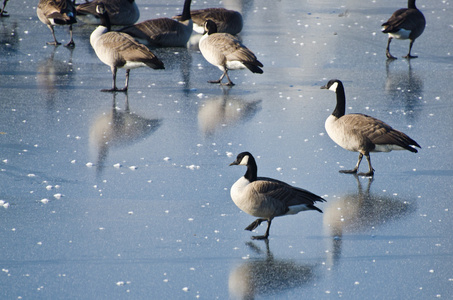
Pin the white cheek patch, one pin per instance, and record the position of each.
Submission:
(334, 86)
(244, 161)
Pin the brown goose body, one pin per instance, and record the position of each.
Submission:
(405, 23)
(57, 12)
(163, 32)
(227, 21)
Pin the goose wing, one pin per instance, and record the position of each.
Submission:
(232, 48)
(287, 194)
(129, 50)
(377, 131)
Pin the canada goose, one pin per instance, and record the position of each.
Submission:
(405, 23)
(362, 133)
(164, 32)
(267, 198)
(57, 12)
(226, 52)
(120, 50)
(4, 13)
(121, 12)
(227, 21)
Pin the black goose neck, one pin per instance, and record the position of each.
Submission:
(186, 11)
(105, 20)
(411, 4)
(252, 170)
(340, 108)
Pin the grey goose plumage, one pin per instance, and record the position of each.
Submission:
(226, 52)
(121, 12)
(120, 50)
(227, 21)
(57, 12)
(362, 133)
(163, 32)
(405, 23)
(267, 198)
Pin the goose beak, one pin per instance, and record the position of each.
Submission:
(234, 163)
(324, 87)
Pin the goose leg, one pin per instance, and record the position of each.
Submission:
(113, 89)
(353, 171)
(220, 79)
(255, 224)
(266, 235)
(230, 83)
(55, 43)
(126, 86)
(71, 41)
(371, 170)
(387, 51)
(3, 13)
(410, 48)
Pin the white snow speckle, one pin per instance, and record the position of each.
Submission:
(45, 200)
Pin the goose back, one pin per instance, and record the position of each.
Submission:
(164, 32)
(161, 32)
(227, 21)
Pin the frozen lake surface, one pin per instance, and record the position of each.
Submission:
(109, 196)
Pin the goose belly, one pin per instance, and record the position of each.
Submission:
(401, 34)
(235, 65)
(133, 65)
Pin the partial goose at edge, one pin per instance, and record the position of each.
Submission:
(405, 23)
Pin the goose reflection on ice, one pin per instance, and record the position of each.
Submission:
(118, 128)
(361, 211)
(404, 87)
(224, 111)
(54, 74)
(267, 276)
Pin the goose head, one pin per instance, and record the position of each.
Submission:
(210, 27)
(243, 159)
(332, 85)
(100, 8)
(247, 159)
